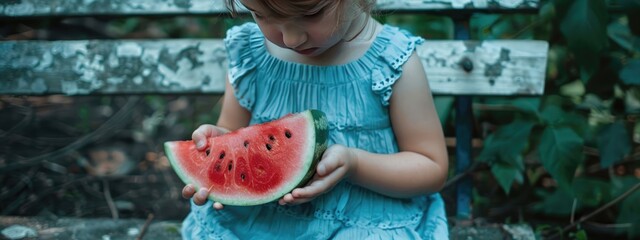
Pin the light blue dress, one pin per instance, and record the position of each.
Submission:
(355, 97)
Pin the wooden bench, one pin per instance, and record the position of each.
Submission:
(461, 67)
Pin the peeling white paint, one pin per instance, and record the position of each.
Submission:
(138, 80)
(168, 75)
(510, 3)
(115, 80)
(45, 62)
(25, 62)
(69, 87)
(480, 3)
(113, 60)
(24, 8)
(129, 50)
(459, 3)
(150, 56)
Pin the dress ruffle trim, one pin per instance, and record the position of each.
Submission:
(395, 50)
(242, 62)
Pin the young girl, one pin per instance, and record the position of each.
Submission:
(386, 159)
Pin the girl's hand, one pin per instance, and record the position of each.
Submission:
(337, 162)
(200, 197)
(200, 137)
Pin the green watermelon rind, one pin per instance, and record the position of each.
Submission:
(315, 148)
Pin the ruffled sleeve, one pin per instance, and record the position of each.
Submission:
(242, 62)
(396, 47)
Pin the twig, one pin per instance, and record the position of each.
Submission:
(573, 210)
(457, 178)
(107, 196)
(608, 205)
(145, 226)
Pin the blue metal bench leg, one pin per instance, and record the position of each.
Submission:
(463, 133)
(463, 155)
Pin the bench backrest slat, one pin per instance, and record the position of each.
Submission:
(65, 8)
(499, 67)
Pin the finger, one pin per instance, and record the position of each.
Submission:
(200, 198)
(288, 199)
(218, 206)
(188, 191)
(296, 201)
(328, 165)
(203, 132)
(320, 186)
(199, 136)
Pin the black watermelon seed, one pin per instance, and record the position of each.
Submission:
(287, 133)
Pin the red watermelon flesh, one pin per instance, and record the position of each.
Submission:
(256, 164)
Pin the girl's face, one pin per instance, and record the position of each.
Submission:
(310, 34)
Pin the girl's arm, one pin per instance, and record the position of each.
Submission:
(421, 166)
(232, 116)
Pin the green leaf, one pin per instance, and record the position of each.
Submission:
(507, 144)
(591, 192)
(505, 175)
(614, 142)
(586, 193)
(529, 105)
(620, 33)
(561, 152)
(581, 235)
(630, 74)
(630, 209)
(503, 150)
(558, 203)
(584, 27)
(553, 115)
(443, 107)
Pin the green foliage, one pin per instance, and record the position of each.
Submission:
(558, 148)
(580, 134)
(613, 143)
(584, 193)
(504, 151)
(584, 30)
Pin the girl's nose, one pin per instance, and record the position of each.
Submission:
(293, 37)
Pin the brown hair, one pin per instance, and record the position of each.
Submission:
(284, 9)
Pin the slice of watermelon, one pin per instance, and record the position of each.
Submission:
(256, 164)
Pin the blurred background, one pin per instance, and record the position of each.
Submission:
(102, 156)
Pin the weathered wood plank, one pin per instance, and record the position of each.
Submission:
(102, 228)
(30, 8)
(112, 67)
(93, 228)
(499, 67)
